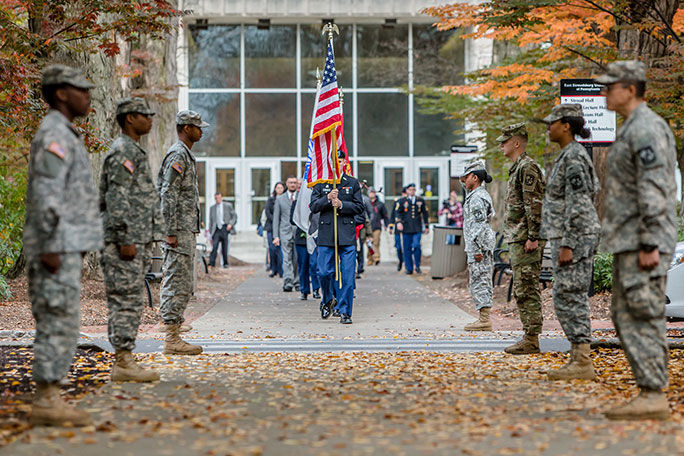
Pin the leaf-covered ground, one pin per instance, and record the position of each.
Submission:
(363, 403)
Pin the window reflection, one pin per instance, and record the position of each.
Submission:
(214, 56)
(394, 182)
(270, 124)
(429, 185)
(433, 135)
(261, 187)
(270, 56)
(222, 111)
(314, 46)
(438, 57)
(383, 124)
(382, 55)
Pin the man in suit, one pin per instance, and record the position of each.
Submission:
(222, 219)
(346, 197)
(411, 217)
(284, 233)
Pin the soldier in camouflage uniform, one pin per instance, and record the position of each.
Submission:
(479, 238)
(178, 188)
(61, 225)
(132, 221)
(570, 223)
(640, 229)
(522, 224)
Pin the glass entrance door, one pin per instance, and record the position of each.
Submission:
(392, 176)
(261, 181)
(432, 184)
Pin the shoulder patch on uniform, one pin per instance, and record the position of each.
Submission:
(57, 149)
(529, 180)
(129, 166)
(177, 166)
(576, 181)
(647, 155)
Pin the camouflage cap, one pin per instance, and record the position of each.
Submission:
(475, 166)
(623, 70)
(508, 132)
(133, 105)
(190, 118)
(563, 110)
(62, 74)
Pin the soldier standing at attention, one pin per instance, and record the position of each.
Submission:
(570, 223)
(522, 222)
(640, 229)
(411, 217)
(62, 224)
(397, 233)
(479, 237)
(132, 221)
(179, 192)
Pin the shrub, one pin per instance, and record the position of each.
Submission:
(5, 292)
(12, 190)
(603, 272)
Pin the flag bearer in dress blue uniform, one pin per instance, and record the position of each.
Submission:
(412, 221)
(349, 203)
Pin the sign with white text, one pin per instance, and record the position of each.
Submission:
(600, 121)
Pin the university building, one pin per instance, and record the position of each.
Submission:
(249, 67)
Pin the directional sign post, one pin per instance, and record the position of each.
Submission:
(461, 157)
(600, 121)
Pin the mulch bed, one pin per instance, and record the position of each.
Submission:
(89, 371)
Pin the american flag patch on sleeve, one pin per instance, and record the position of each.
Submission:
(177, 167)
(129, 166)
(56, 149)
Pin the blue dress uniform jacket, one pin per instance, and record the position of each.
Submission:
(352, 205)
(413, 216)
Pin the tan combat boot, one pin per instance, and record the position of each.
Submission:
(174, 345)
(580, 366)
(481, 324)
(50, 410)
(648, 405)
(529, 344)
(183, 328)
(125, 369)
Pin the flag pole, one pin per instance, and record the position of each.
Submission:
(331, 28)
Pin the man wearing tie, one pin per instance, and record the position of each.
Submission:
(284, 233)
(222, 218)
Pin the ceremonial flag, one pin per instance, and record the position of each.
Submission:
(302, 211)
(326, 132)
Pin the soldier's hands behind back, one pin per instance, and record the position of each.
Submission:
(531, 246)
(478, 257)
(128, 252)
(649, 260)
(565, 256)
(51, 262)
(172, 241)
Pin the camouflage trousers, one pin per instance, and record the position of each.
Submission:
(125, 281)
(177, 277)
(56, 306)
(526, 269)
(480, 280)
(638, 313)
(570, 289)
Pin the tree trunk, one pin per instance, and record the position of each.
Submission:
(634, 43)
(600, 159)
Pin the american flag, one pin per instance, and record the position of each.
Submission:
(326, 132)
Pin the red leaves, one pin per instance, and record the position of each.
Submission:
(110, 48)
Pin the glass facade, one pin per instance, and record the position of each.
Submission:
(260, 88)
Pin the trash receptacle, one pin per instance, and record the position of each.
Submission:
(448, 251)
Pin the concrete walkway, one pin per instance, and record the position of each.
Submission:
(387, 303)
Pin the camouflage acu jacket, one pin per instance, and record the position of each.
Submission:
(478, 210)
(178, 189)
(568, 212)
(129, 201)
(524, 195)
(61, 203)
(641, 193)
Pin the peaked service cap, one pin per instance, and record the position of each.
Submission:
(623, 70)
(63, 74)
(133, 105)
(563, 110)
(508, 132)
(190, 118)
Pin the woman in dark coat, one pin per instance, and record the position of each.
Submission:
(274, 252)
